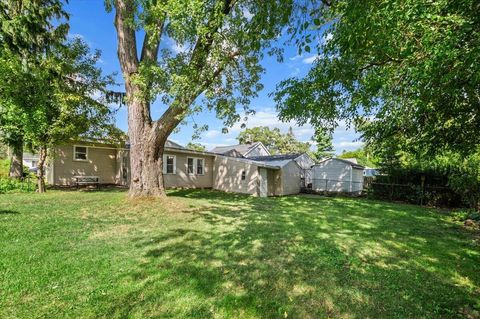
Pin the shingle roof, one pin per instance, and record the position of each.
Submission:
(241, 148)
(172, 144)
(280, 157)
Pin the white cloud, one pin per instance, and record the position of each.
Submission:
(344, 145)
(212, 133)
(297, 57)
(310, 59)
(247, 14)
(327, 37)
(344, 138)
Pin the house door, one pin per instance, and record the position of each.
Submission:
(263, 187)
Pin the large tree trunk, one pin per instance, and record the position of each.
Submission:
(146, 140)
(41, 169)
(146, 153)
(16, 159)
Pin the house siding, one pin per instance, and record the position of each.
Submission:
(291, 178)
(334, 176)
(101, 162)
(228, 176)
(181, 178)
(357, 185)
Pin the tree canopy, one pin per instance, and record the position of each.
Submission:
(27, 32)
(50, 89)
(195, 147)
(274, 140)
(406, 73)
(216, 66)
(363, 156)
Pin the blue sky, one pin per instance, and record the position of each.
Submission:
(93, 24)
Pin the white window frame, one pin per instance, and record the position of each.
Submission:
(203, 166)
(193, 166)
(165, 156)
(75, 153)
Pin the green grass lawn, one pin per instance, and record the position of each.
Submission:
(206, 254)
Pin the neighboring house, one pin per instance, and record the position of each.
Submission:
(370, 172)
(242, 150)
(30, 160)
(182, 168)
(337, 175)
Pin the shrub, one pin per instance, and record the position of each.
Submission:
(10, 185)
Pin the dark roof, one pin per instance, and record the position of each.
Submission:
(280, 157)
(172, 144)
(241, 148)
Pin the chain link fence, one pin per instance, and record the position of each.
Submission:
(321, 185)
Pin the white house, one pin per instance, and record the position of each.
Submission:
(337, 175)
(30, 160)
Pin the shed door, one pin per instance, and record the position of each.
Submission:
(263, 189)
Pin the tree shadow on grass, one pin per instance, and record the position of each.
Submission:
(303, 258)
(8, 212)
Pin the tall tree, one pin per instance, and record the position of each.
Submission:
(53, 100)
(274, 140)
(323, 142)
(220, 45)
(195, 147)
(363, 156)
(408, 67)
(26, 32)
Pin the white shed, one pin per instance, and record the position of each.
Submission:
(337, 175)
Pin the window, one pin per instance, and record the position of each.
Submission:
(80, 153)
(170, 164)
(190, 165)
(199, 166)
(244, 175)
(34, 164)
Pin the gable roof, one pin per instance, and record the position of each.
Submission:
(243, 149)
(279, 157)
(343, 160)
(353, 160)
(172, 144)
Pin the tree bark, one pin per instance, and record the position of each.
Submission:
(41, 169)
(146, 152)
(16, 159)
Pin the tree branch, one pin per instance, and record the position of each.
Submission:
(127, 46)
(151, 43)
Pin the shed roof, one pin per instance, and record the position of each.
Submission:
(343, 160)
(250, 161)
